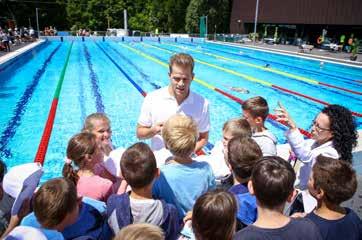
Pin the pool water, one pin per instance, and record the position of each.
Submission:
(108, 77)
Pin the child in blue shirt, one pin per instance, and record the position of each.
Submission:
(242, 155)
(331, 183)
(182, 179)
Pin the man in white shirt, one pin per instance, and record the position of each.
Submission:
(177, 97)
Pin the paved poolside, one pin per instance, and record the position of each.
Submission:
(319, 53)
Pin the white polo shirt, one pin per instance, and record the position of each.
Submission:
(158, 106)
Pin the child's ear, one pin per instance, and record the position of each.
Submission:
(319, 194)
(292, 195)
(250, 187)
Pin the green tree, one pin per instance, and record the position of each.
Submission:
(195, 9)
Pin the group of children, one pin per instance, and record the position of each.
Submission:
(239, 191)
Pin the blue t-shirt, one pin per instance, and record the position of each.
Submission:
(182, 184)
(31, 221)
(247, 209)
(296, 229)
(349, 227)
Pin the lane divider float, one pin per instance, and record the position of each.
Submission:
(281, 64)
(262, 82)
(43, 145)
(289, 75)
(209, 86)
(20, 108)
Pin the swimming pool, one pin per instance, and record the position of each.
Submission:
(111, 76)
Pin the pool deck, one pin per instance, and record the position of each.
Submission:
(316, 53)
(6, 56)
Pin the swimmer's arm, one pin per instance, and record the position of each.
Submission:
(144, 132)
(203, 138)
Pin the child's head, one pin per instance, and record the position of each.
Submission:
(236, 127)
(272, 182)
(83, 149)
(140, 231)
(55, 204)
(255, 111)
(214, 215)
(100, 126)
(332, 181)
(138, 165)
(243, 153)
(180, 135)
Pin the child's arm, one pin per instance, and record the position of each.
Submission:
(16, 219)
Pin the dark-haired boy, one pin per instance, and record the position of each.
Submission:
(272, 182)
(138, 166)
(242, 155)
(255, 111)
(331, 183)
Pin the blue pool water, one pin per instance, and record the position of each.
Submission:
(99, 78)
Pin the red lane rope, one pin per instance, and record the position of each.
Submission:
(271, 116)
(44, 142)
(340, 88)
(311, 98)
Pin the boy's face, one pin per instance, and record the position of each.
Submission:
(254, 122)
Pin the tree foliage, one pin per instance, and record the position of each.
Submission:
(145, 15)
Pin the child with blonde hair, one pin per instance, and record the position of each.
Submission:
(140, 231)
(83, 153)
(182, 179)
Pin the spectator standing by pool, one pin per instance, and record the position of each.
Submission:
(176, 98)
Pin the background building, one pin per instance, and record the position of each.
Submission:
(304, 19)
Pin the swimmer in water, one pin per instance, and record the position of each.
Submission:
(240, 90)
(267, 65)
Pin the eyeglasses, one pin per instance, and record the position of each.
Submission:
(319, 128)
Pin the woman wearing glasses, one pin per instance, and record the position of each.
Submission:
(334, 135)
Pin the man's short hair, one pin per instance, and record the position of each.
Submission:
(237, 127)
(336, 178)
(138, 165)
(257, 106)
(182, 59)
(243, 153)
(272, 179)
(180, 135)
(54, 200)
